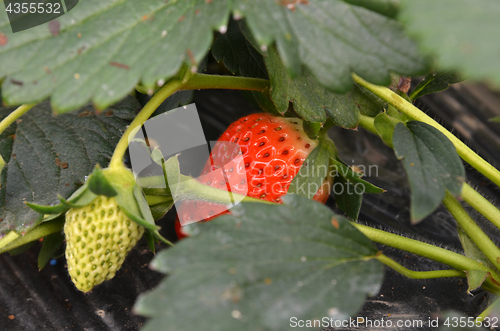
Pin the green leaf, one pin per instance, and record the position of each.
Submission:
(238, 54)
(354, 178)
(313, 102)
(435, 82)
(260, 266)
(104, 48)
(458, 33)
(495, 119)
(431, 163)
(49, 155)
(385, 7)
(333, 37)
(51, 244)
(91, 59)
(313, 171)
(347, 198)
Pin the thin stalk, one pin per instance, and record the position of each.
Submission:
(7, 121)
(481, 204)
(167, 90)
(432, 252)
(419, 274)
(414, 113)
(203, 81)
(483, 242)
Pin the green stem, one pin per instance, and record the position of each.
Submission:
(432, 252)
(189, 188)
(38, 232)
(203, 81)
(452, 259)
(474, 232)
(368, 123)
(481, 204)
(7, 121)
(419, 274)
(10, 237)
(167, 90)
(416, 114)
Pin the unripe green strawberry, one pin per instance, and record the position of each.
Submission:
(98, 237)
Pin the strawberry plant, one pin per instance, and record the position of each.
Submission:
(77, 90)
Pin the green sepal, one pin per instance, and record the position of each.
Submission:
(51, 244)
(83, 200)
(159, 210)
(57, 209)
(354, 177)
(146, 213)
(150, 239)
(61, 208)
(312, 129)
(156, 191)
(139, 220)
(172, 171)
(384, 124)
(349, 201)
(21, 249)
(154, 200)
(99, 185)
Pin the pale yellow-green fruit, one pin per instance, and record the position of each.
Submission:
(98, 237)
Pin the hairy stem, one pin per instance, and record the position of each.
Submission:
(432, 252)
(414, 113)
(474, 232)
(481, 204)
(419, 274)
(7, 121)
(452, 259)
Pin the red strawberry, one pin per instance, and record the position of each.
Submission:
(273, 149)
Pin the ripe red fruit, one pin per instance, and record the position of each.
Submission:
(273, 149)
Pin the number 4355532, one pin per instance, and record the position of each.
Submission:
(32, 8)
(471, 322)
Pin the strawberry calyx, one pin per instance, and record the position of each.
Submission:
(117, 182)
